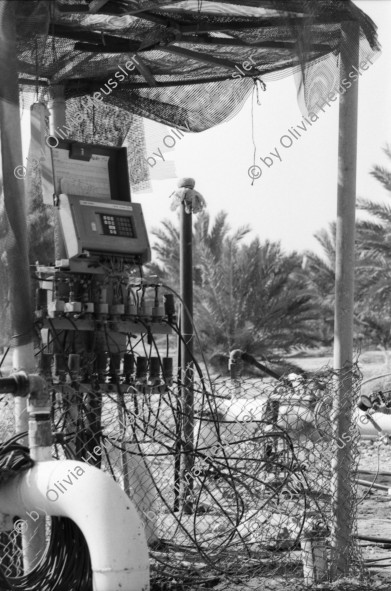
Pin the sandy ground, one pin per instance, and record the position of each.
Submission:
(374, 510)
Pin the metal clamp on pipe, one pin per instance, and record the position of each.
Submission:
(21, 384)
(38, 407)
(16, 384)
(31, 385)
(38, 399)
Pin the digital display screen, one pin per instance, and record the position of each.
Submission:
(118, 225)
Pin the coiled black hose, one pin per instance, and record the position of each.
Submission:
(65, 564)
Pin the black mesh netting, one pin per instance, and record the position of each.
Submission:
(186, 51)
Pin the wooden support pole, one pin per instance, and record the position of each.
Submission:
(187, 393)
(57, 119)
(344, 299)
(17, 246)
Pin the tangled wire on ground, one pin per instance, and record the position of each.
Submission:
(257, 487)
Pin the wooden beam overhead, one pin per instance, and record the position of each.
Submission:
(74, 34)
(204, 40)
(203, 57)
(254, 23)
(126, 45)
(77, 8)
(32, 82)
(145, 71)
(122, 47)
(96, 5)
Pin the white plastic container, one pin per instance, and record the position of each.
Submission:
(314, 560)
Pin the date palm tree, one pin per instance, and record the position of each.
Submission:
(208, 240)
(374, 233)
(319, 271)
(248, 296)
(374, 263)
(372, 271)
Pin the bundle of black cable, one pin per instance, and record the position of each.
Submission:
(14, 458)
(65, 564)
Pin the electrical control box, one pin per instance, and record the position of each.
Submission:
(89, 170)
(103, 227)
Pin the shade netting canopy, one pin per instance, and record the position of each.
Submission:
(196, 61)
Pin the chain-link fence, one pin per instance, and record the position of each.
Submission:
(258, 502)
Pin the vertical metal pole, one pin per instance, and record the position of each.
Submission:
(124, 456)
(17, 246)
(344, 299)
(57, 119)
(178, 435)
(187, 393)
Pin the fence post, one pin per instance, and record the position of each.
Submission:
(16, 254)
(344, 300)
(57, 119)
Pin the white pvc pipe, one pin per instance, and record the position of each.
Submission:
(22, 360)
(367, 430)
(34, 537)
(107, 518)
(57, 109)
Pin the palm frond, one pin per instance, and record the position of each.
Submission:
(383, 175)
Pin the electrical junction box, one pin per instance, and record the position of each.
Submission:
(103, 227)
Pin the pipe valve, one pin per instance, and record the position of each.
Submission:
(377, 401)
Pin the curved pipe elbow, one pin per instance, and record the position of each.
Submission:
(107, 518)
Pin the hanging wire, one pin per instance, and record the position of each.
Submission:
(255, 91)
